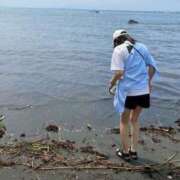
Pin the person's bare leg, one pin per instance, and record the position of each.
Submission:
(135, 128)
(124, 130)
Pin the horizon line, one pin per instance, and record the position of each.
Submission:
(88, 9)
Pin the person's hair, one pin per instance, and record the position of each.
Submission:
(121, 39)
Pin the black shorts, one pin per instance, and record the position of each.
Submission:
(133, 101)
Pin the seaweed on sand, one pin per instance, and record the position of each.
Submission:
(168, 132)
(55, 155)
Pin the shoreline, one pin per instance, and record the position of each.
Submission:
(92, 151)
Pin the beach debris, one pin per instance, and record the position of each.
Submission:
(151, 128)
(115, 130)
(67, 144)
(51, 155)
(22, 135)
(90, 149)
(170, 175)
(46, 157)
(2, 126)
(6, 163)
(2, 117)
(20, 107)
(113, 145)
(132, 21)
(52, 128)
(156, 140)
(177, 122)
(2, 133)
(142, 142)
(168, 131)
(161, 129)
(89, 127)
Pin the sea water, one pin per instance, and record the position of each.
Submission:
(55, 66)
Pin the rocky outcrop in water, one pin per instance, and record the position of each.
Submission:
(131, 21)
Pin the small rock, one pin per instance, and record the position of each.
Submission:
(52, 128)
(177, 122)
(2, 117)
(156, 140)
(169, 177)
(23, 135)
(142, 142)
(143, 128)
(115, 131)
(113, 145)
(89, 127)
(2, 129)
(2, 132)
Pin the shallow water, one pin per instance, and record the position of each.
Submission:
(54, 66)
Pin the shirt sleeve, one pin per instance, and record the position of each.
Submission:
(150, 61)
(117, 61)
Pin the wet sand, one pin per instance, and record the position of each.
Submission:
(153, 148)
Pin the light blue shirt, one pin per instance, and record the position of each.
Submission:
(135, 76)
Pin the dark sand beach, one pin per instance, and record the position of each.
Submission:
(55, 68)
(89, 153)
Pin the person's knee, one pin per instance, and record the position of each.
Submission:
(135, 115)
(134, 120)
(125, 118)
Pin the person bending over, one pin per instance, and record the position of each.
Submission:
(134, 68)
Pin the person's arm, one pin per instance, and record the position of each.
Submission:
(151, 72)
(117, 76)
(117, 66)
(151, 64)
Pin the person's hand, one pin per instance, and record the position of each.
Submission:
(111, 85)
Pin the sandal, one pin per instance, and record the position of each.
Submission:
(124, 156)
(133, 155)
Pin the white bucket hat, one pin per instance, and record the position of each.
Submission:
(119, 33)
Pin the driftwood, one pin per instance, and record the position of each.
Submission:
(168, 132)
(52, 155)
(90, 149)
(6, 163)
(160, 129)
